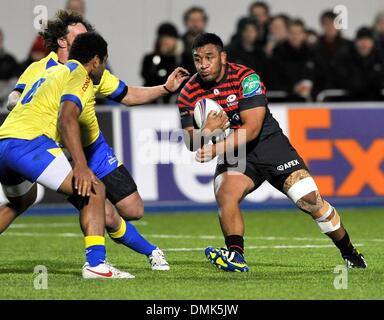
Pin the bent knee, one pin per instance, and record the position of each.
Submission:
(138, 213)
(99, 189)
(131, 209)
(304, 193)
(225, 197)
(22, 203)
(310, 203)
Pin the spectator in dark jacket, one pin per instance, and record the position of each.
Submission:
(312, 38)
(244, 50)
(8, 64)
(378, 30)
(278, 32)
(334, 54)
(158, 65)
(260, 10)
(8, 71)
(368, 66)
(293, 59)
(195, 21)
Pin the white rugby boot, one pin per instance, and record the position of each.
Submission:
(158, 261)
(104, 271)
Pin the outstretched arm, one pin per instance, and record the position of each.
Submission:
(142, 95)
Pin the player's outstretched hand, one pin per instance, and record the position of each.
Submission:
(84, 179)
(206, 153)
(176, 78)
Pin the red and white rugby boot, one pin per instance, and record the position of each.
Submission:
(104, 271)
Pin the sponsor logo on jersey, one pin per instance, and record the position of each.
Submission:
(288, 165)
(184, 113)
(86, 84)
(251, 86)
(235, 119)
(231, 98)
(111, 159)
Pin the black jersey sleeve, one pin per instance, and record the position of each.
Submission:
(185, 110)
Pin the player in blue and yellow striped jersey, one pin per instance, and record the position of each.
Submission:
(120, 187)
(29, 152)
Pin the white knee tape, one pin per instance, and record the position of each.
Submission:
(327, 226)
(301, 188)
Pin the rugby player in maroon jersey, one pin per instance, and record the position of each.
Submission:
(268, 155)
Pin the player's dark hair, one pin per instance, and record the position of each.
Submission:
(58, 28)
(88, 45)
(193, 10)
(208, 38)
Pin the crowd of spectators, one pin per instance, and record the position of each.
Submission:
(295, 63)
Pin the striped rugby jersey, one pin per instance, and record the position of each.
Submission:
(239, 90)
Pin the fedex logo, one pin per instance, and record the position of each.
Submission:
(343, 148)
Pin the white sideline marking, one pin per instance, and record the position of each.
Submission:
(42, 225)
(59, 225)
(307, 246)
(174, 236)
(74, 235)
(38, 234)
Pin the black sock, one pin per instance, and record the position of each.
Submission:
(235, 243)
(344, 244)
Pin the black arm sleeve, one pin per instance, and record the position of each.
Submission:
(120, 96)
(253, 102)
(186, 117)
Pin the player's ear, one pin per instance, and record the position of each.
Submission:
(96, 61)
(223, 57)
(62, 42)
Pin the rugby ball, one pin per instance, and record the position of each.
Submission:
(202, 109)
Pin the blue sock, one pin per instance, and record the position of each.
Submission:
(95, 250)
(130, 237)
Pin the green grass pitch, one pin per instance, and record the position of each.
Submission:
(288, 257)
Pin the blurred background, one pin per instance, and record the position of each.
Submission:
(322, 63)
(132, 30)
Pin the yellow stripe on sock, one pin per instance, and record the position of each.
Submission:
(94, 241)
(119, 233)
